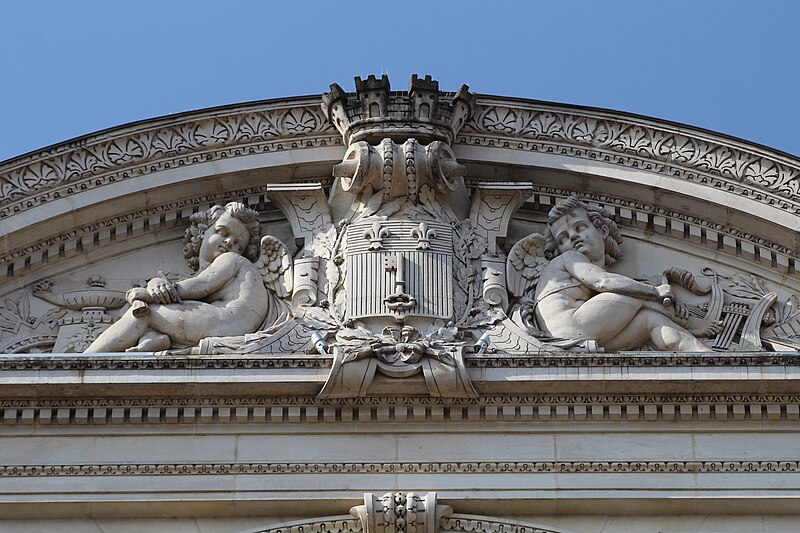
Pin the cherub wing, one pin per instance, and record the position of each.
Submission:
(524, 265)
(275, 266)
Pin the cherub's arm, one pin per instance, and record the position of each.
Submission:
(600, 280)
(214, 277)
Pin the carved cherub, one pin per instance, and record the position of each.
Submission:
(229, 295)
(563, 276)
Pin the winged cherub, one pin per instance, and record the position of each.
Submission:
(575, 297)
(229, 295)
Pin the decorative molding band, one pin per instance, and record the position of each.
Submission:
(683, 152)
(267, 410)
(648, 359)
(567, 359)
(485, 524)
(171, 362)
(161, 144)
(489, 467)
(679, 151)
(636, 215)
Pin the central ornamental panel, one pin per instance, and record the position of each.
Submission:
(400, 268)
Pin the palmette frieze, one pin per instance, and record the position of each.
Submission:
(105, 158)
(454, 523)
(111, 156)
(676, 150)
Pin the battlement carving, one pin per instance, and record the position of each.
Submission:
(374, 112)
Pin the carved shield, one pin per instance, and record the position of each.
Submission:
(399, 268)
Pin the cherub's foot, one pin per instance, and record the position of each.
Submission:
(151, 342)
(703, 329)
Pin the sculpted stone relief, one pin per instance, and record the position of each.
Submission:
(398, 275)
(574, 300)
(230, 295)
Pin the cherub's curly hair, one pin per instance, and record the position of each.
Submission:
(203, 220)
(600, 217)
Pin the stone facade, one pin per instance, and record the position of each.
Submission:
(446, 311)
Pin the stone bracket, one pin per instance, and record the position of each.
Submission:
(493, 204)
(306, 207)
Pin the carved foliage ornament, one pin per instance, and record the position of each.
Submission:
(67, 169)
(603, 136)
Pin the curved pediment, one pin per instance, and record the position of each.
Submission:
(112, 208)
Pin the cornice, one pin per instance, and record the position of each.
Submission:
(50, 362)
(70, 390)
(697, 231)
(116, 154)
(765, 175)
(148, 146)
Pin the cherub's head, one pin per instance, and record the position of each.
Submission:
(604, 229)
(245, 237)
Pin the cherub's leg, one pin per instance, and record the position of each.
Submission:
(663, 332)
(121, 335)
(152, 341)
(605, 315)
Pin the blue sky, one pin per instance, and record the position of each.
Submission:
(68, 68)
